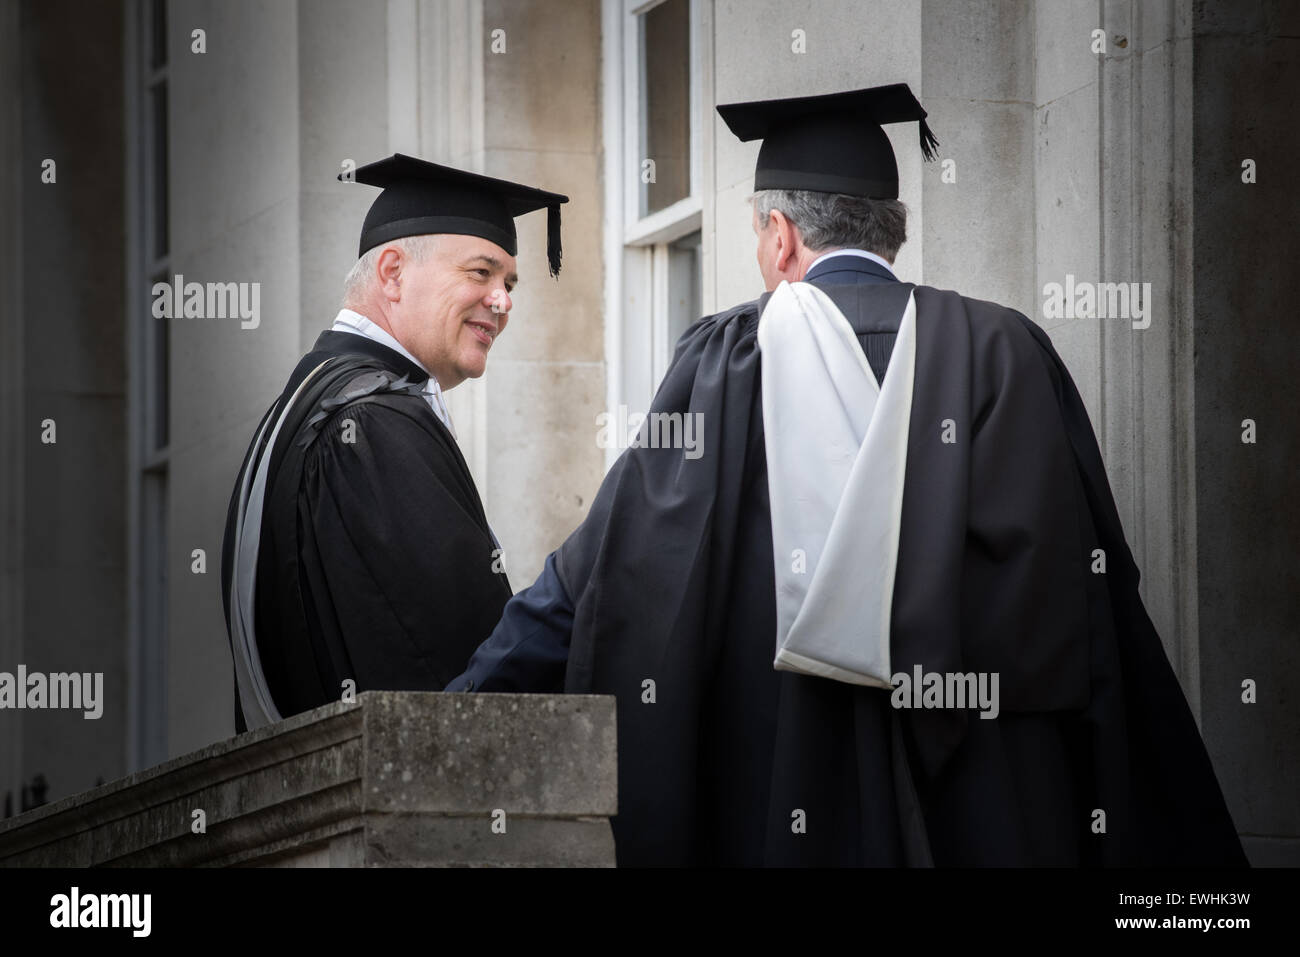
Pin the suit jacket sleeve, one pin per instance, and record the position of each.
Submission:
(529, 647)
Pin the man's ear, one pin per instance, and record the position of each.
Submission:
(388, 269)
(786, 238)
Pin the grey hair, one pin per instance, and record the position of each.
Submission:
(836, 221)
(416, 249)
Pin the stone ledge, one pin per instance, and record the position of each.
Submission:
(396, 779)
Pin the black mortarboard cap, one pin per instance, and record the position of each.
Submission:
(832, 143)
(420, 197)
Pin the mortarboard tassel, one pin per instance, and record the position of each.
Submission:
(553, 250)
(928, 142)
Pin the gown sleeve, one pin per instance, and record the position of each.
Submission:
(398, 564)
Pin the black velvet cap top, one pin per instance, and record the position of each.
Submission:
(420, 197)
(831, 143)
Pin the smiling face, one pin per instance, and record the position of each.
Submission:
(448, 308)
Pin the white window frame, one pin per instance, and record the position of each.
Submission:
(637, 342)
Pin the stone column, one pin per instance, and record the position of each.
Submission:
(545, 382)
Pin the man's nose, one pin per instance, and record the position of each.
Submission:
(499, 302)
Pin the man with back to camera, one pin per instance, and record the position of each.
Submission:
(357, 554)
(896, 483)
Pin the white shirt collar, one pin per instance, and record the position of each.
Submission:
(354, 322)
(349, 321)
(851, 252)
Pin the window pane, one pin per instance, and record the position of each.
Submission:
(157, 33)
(665, 43)
(157, 172)
(684, 297)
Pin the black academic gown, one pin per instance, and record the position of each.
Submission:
(376, 562)
(724, 760)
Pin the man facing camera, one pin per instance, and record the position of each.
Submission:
(888, 616)
(357, 554)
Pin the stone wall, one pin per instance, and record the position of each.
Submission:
(1247, 67)
(62, 337)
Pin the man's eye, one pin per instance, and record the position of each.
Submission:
(483, 272)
